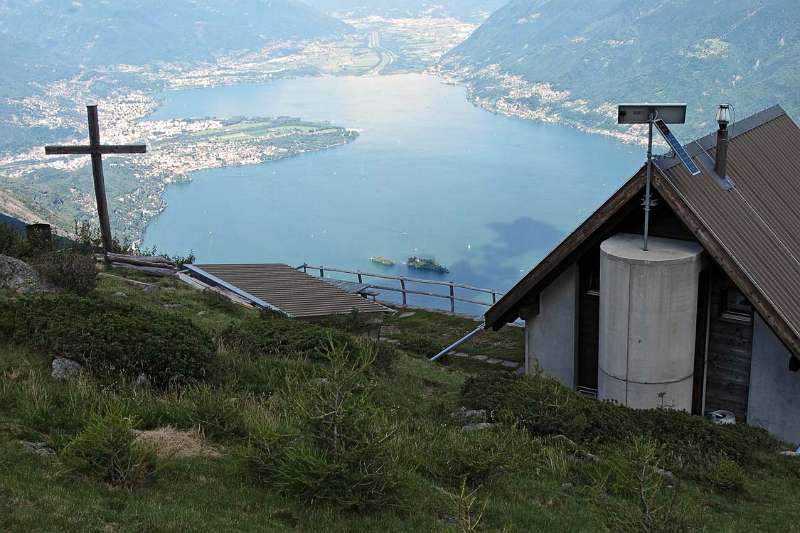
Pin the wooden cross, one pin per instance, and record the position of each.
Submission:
(96, 150)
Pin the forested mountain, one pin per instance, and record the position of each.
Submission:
(41, 40)
(575, 57)
(473, 10)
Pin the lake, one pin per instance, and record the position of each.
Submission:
(486, 195)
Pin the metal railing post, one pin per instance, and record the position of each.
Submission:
(321, 272)
(360, 280)
(452, 299)
(403, 288)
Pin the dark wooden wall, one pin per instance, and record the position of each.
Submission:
(663, 222)
(730, 348)
(589, 319)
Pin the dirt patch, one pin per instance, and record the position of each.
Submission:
(175, 443)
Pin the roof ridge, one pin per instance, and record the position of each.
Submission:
(709, 141)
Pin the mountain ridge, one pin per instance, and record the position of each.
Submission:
(578, 63)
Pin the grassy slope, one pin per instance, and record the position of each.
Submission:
(534, 488)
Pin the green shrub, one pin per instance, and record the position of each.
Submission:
(334, 450)
(12, 242)
(545, 407)
(634, 472)
(726, 476)
(217, 412)
(218, 302)
(385, 354)
(274, 336)
(417, 345)
(72, 272)
(353, 323)
(453, 456)
(107, 450)
(111, 339)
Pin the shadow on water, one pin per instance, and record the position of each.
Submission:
(515, 250)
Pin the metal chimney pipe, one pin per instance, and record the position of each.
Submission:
(723, 119)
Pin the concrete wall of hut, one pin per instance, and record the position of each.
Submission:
(774, 401)
(550, 337)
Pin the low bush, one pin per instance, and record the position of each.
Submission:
(354, 323)
(545, 407)
(12, 242)
(726, 476)
(216, 412)
(333, 449)
(110, 338)
(107, 450)
(69, 271)
(453, 457)
(417, 345)
(274, 336)
(634, 472)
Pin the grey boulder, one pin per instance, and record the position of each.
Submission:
(18, 275)
(63, 368)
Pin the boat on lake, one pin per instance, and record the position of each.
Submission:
(380, 260)
(420, 263)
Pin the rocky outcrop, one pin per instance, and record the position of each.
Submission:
(18, 275)
(63, 368)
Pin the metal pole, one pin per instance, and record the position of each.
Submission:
(649, 177)
(459, 342)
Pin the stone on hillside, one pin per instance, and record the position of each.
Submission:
(63, 368)
(142, 380)
(465, 416)
(407, 315)
(510, 364)
(668, 476)
(476, 427)
(39, 448)
(582, 455)
(18, 275)
(520, 371)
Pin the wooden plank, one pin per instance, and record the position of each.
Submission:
(153, 271)
(145, 258)
(69, 149)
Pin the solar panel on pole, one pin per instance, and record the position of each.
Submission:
(677, 147)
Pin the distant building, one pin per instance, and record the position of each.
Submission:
(707, 319)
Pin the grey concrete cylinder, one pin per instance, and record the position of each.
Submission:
(648, 314)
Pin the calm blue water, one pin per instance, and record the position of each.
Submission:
(486, 195)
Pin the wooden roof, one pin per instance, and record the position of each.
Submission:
(751, 230)
(286, 290)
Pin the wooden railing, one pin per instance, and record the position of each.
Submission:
(405, 291)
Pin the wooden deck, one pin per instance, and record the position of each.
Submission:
(287, 290)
